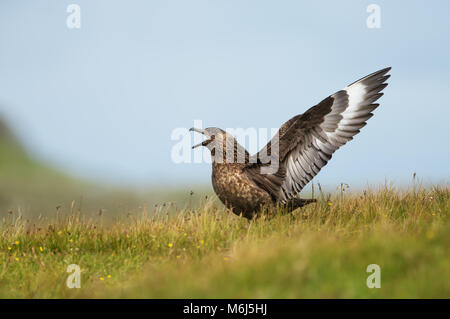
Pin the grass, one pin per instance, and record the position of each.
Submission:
(321, 251)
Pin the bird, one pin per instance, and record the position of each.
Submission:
(303, 145)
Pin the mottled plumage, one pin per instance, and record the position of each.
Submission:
(301, 147)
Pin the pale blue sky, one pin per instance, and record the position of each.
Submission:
(102, 101)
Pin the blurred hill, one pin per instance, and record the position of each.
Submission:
(32, 188)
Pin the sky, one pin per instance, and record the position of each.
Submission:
(102, 101)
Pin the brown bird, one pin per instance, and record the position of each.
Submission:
(302, 146)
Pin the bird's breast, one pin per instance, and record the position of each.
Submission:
(236, 190)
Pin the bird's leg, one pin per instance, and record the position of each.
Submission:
(295, 203)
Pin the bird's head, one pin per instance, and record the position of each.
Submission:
(223, 146)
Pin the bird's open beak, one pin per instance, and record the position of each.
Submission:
(198, 130)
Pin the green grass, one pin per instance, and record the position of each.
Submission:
(321, 251)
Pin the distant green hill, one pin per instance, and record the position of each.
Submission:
(16, 165)
(28, 185)
(5, 133)
(33, 188)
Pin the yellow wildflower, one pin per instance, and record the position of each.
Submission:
(41, 248)
(101, 278)
(170, 245)
(202, 242)
(17, 242)
(109, 276)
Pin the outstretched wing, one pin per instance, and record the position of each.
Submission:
(307, 141)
